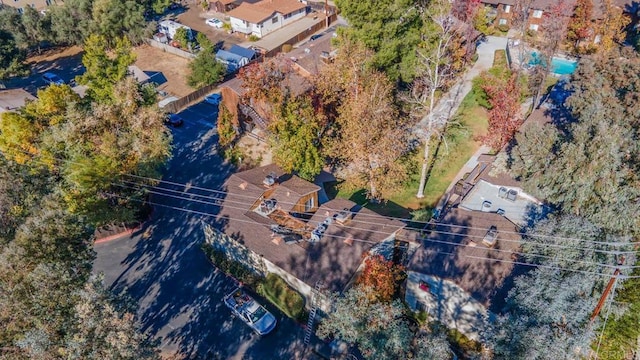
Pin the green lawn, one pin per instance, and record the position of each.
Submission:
(452, 155)
(279, 293)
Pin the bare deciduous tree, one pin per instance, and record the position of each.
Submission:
(435, 72)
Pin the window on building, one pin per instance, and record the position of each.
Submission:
(309, 205)
(537, 14)
(507, 8)
(286, 16)
(420, 306)
(533, 27)
(274, 20)
(502, 22)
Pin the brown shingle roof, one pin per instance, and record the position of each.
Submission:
(477, 269)
(308, 58)
(498, 2)
(290, 182)
(251, 12)
(331, 259)
(485, 171)
(260, 11)
(282, 6)
(14, 99)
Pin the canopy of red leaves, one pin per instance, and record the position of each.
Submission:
(504, 116)
(380, 278)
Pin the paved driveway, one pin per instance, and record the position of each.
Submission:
(66, 63)
(195, 18)
(162, 267)
(449, 103)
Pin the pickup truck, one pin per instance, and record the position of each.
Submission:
(249, 311)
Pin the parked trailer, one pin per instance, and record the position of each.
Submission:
(169, 28)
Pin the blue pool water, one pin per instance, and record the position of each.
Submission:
(559, 66)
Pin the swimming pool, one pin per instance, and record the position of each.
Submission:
(559, 66)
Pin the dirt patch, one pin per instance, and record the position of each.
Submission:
(168, 70)
(258, 151)
(52, 55)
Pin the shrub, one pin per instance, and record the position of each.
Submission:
(253, 37)
(500, 58)
(462, 344)
(477, 88)
(503, 28)
(289, 301)
(226, 132)
(286, 48)
(233, 268)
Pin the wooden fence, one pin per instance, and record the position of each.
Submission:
(170, 49)
(303, 35)
(183, 102)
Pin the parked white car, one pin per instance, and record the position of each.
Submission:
(249, 311)
(215, 23)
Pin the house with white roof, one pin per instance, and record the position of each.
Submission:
(460, 269)
(266, 16)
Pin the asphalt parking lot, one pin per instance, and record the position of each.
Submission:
(66, 63)
(198, 117)
(162, 267)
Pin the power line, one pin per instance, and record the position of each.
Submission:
(188, 186)
(387, 217)
(604, 326)
(219, 200)
(374, 242)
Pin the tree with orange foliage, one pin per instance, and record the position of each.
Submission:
(504, 119)
(380, 278)
(580, 27)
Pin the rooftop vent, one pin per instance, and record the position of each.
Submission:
(317, 233)
(344, 216)
(269, 180)
(266, 207)
(502, 192)
(486, 206)
(491, 237)
(512, 195)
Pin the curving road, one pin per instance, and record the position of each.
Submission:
(162, 268)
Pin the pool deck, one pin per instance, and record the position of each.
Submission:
(519, 50)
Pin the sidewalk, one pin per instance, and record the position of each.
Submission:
(450, 102)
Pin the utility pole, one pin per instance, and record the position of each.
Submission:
(605, 294)
(326, 13)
